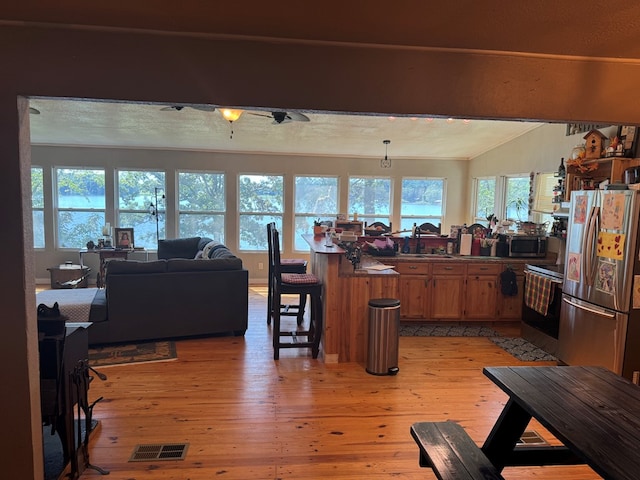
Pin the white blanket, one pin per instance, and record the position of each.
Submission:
(75, 303)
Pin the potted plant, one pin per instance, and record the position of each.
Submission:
(317, 227)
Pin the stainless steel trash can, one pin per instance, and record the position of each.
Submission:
(384, 323)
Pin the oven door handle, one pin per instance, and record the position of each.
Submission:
(597, 311)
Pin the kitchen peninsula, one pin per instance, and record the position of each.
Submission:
(430, 287)
(345, 295)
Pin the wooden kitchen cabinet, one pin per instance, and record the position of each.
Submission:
(446, 301)
(481, 291)
(414, 290)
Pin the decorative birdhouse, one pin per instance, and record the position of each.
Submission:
(594, 144)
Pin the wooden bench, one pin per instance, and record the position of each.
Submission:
(451, 453)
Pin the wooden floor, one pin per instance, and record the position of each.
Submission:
(246, 416)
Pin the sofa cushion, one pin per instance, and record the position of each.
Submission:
(178, 248)
(184, 265)
(136, 266)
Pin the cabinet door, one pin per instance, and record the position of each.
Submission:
(413, 296)
(446, 298)
(481, 297)
(510, 307)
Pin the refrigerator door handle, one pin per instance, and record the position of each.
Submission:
(590, 242)
(596, 311)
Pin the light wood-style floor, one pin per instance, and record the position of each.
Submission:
(246, 416)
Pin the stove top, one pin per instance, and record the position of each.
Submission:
(555, 271)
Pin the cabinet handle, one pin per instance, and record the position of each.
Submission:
(412, 267)
(484, 268)
(448, 268)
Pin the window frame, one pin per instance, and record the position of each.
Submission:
(315, 215)
(370, 218)
(277, 217)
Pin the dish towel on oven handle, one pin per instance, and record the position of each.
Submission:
(538, 293)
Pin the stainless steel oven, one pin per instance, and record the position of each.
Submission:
(542, 330)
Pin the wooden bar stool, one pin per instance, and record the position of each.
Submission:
(287, 265)
(301, 284)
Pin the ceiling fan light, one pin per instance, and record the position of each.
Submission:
(231, 114)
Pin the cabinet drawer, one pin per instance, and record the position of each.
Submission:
(418, 268)
(449, 269)
(484, 269)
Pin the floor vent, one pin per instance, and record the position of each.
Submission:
(159, 451)
(531, 437)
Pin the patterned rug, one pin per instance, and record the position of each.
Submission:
(523, 350)
(431, 330)
(132, 353)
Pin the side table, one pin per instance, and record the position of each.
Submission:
(105, 255)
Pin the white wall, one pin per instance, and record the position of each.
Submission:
(539, 150)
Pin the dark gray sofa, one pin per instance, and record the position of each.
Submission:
(174, 296)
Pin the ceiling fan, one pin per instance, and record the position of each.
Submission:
(177, 108)
(283, 117)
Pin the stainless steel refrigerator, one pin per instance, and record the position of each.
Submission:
(600, 312)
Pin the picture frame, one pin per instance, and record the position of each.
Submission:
(124, 238)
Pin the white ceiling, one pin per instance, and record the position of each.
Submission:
(92, 123)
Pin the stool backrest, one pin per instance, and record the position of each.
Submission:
(275, 255)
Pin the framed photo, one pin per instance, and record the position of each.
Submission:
(124, 238)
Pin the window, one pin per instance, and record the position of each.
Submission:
(37, 206)
(421, 202)
(485, 199)
(370, 198)
(517, 198)
(261, 201)
(543, 205)
(136, 192)
(201, 205)
(315, 197)
(80, 206)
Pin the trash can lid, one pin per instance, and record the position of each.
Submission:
(384, 302)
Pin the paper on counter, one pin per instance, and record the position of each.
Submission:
(379, 267)
(465, 243)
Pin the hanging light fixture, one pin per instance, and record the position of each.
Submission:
(385, 162)
(231, 115)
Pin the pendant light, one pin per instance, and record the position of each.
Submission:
(385, 162)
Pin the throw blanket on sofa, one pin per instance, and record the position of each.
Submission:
(75, 304)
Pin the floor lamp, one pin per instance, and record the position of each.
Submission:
(155, 210)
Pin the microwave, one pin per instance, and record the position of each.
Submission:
(522, 246)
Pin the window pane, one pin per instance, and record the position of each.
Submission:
(37, 188)
(38, 229)
(370, 196)
(421, 201)
(136, 189)
(517, 198)
(202, 225)
(81, 189)
(37, 206)
(485, 198)
(316, 195)
(75, 229)
(253, 230)
(200, 191)
(261, 193)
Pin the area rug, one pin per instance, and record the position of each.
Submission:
(522, 349)
(432, 330)
(132, 353)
